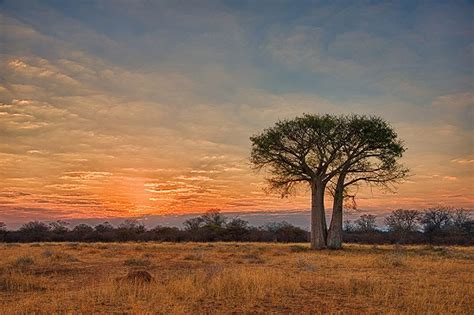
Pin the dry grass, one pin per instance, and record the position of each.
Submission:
(223, 278)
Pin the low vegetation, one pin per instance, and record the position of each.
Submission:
(438, 226)
(195, 278)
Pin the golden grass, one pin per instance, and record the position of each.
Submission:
(221, 278)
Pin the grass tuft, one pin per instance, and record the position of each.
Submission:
(23, 262)
(136, 262)
(299, 249)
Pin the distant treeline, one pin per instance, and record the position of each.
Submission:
(441, 225)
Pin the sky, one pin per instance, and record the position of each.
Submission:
(143, 108)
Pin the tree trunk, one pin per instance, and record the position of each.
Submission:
(334, 239)
(318, 221)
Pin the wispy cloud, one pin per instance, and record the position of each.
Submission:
(149, 109)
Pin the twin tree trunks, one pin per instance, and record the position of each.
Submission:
(320, 236)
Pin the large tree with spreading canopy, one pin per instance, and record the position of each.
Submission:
(328, 152)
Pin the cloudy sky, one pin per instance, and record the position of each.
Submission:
(132, 108)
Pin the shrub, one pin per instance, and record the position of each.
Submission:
(47, 253)
(254, 258)
(59, 256)
(305, 265)
(137, 262)
(193, 257)
(23, 262)
(19, 282)
(299, 248)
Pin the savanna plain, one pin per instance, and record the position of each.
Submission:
(223, 278)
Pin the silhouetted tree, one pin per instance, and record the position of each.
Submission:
(167, 234)
(59, 227)
(193, 224)
(214, 218)
(286, 232)
(460, 219)
(104, 227)
(132, 225)
(436, 220)
(82, 231)
(35, 231)
(213, 225)
(366, 223)
(402, 220)
(237, 229)
(130, 229)
(3, 231)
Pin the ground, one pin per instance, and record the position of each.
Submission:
(221, 278)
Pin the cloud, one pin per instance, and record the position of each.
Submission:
(463, 161)
(457, 109)
(101, 118)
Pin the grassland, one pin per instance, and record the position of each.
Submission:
(221, 278)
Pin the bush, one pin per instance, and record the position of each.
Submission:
(299, 248)
(23, 262)
(137, 262)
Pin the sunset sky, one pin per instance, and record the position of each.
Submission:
(135, 108)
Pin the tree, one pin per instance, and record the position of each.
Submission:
(237, 229)
(3, 231)
(208, 227)
(133, 226)
(104, 227)
(35, 231)
(286, 232)
(213, 219)
(82, 230)
(436, 220)
(325, 149)
(403, 220)
(59, 227)
(366, 223)
(166, 233)
(193, 224)
(460, 218)
(370, 153)
(130, 229)
(297, 151)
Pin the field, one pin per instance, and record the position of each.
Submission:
(220, 278)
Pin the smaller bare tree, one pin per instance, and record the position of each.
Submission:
(460, 218)
(366, 223)
(436, 220)
(403, 222)
(59, 227)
